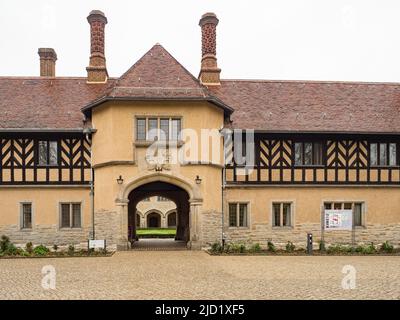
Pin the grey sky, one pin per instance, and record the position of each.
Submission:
(285, 39)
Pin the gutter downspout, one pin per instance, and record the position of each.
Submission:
(88, 132)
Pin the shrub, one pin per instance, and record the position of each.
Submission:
(71, 249)
(216, 247)
(370, 249)
(4, 243)
(322, 245)
(255, 247)
(338, 249)
(237, 248)
(387, 247)
(290, 246)
(7, 247)
(271, 246)
(29, 247)
(41, 250)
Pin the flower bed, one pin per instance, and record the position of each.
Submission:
(9, 251)
(240, 248)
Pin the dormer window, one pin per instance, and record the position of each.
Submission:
(158, 128)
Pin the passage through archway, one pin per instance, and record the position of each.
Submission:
(177, 218)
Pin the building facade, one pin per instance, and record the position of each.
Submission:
(244, 160)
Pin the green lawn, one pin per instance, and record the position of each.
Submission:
(156, 232)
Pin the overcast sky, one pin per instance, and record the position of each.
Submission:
(283, 39)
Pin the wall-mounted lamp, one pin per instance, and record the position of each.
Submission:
(120, 180)
(198, 180)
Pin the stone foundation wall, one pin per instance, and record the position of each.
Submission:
(48, 235)
(211, 225)
(108, 226)
(262, 233)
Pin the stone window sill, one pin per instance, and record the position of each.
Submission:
(70, 229)
(146, 144)
(286, 228)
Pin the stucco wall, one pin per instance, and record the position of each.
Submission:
(381, 213)
(46, 212)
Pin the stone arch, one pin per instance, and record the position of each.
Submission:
(178, 180)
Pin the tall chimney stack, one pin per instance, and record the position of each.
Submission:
(97, 71)
(209, 72)
(48, 58)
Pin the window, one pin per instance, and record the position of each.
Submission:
(48, 155)
(357, 207)
(152, 129)
(383, 154)
(282, 214)
(238, 215)
(160, 198)
(26, 218)
(307, 153)
(70, 215)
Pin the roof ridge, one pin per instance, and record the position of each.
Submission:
(313, 81)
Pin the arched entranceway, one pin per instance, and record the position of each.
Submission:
(153, 220)
(163, 189)
(171, 219)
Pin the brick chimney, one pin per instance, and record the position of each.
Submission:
(97, 71)
(209, 72)
(48, 58)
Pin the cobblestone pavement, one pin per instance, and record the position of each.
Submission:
(196, 275)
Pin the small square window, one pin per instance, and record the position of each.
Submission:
(238, 215)
(282, 214)
(70, 215)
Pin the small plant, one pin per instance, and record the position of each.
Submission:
(387, 247)
(237, 248)
(55, 247)
(4, 243)
(29, 247)
(41, 250)
(71, 249)
(216, 247)
(370, 249)
(290, 247)
(271, 246)
(255, 247)
(322, 246)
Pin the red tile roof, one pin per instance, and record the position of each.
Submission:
(278, 106)
(45, 103)
(158, 75)
(312, 106)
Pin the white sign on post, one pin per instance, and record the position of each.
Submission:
(338, 220)
(97, 244)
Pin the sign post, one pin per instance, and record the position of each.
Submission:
(338, 219)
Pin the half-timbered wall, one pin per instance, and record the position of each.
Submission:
(20, 165)
(345, 160)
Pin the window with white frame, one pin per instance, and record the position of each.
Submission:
(26, 215)
(238, 214)
(158, 128)
(282, 214)
(357, 207)
(70, 215)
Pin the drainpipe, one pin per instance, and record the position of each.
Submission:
(88, 132)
